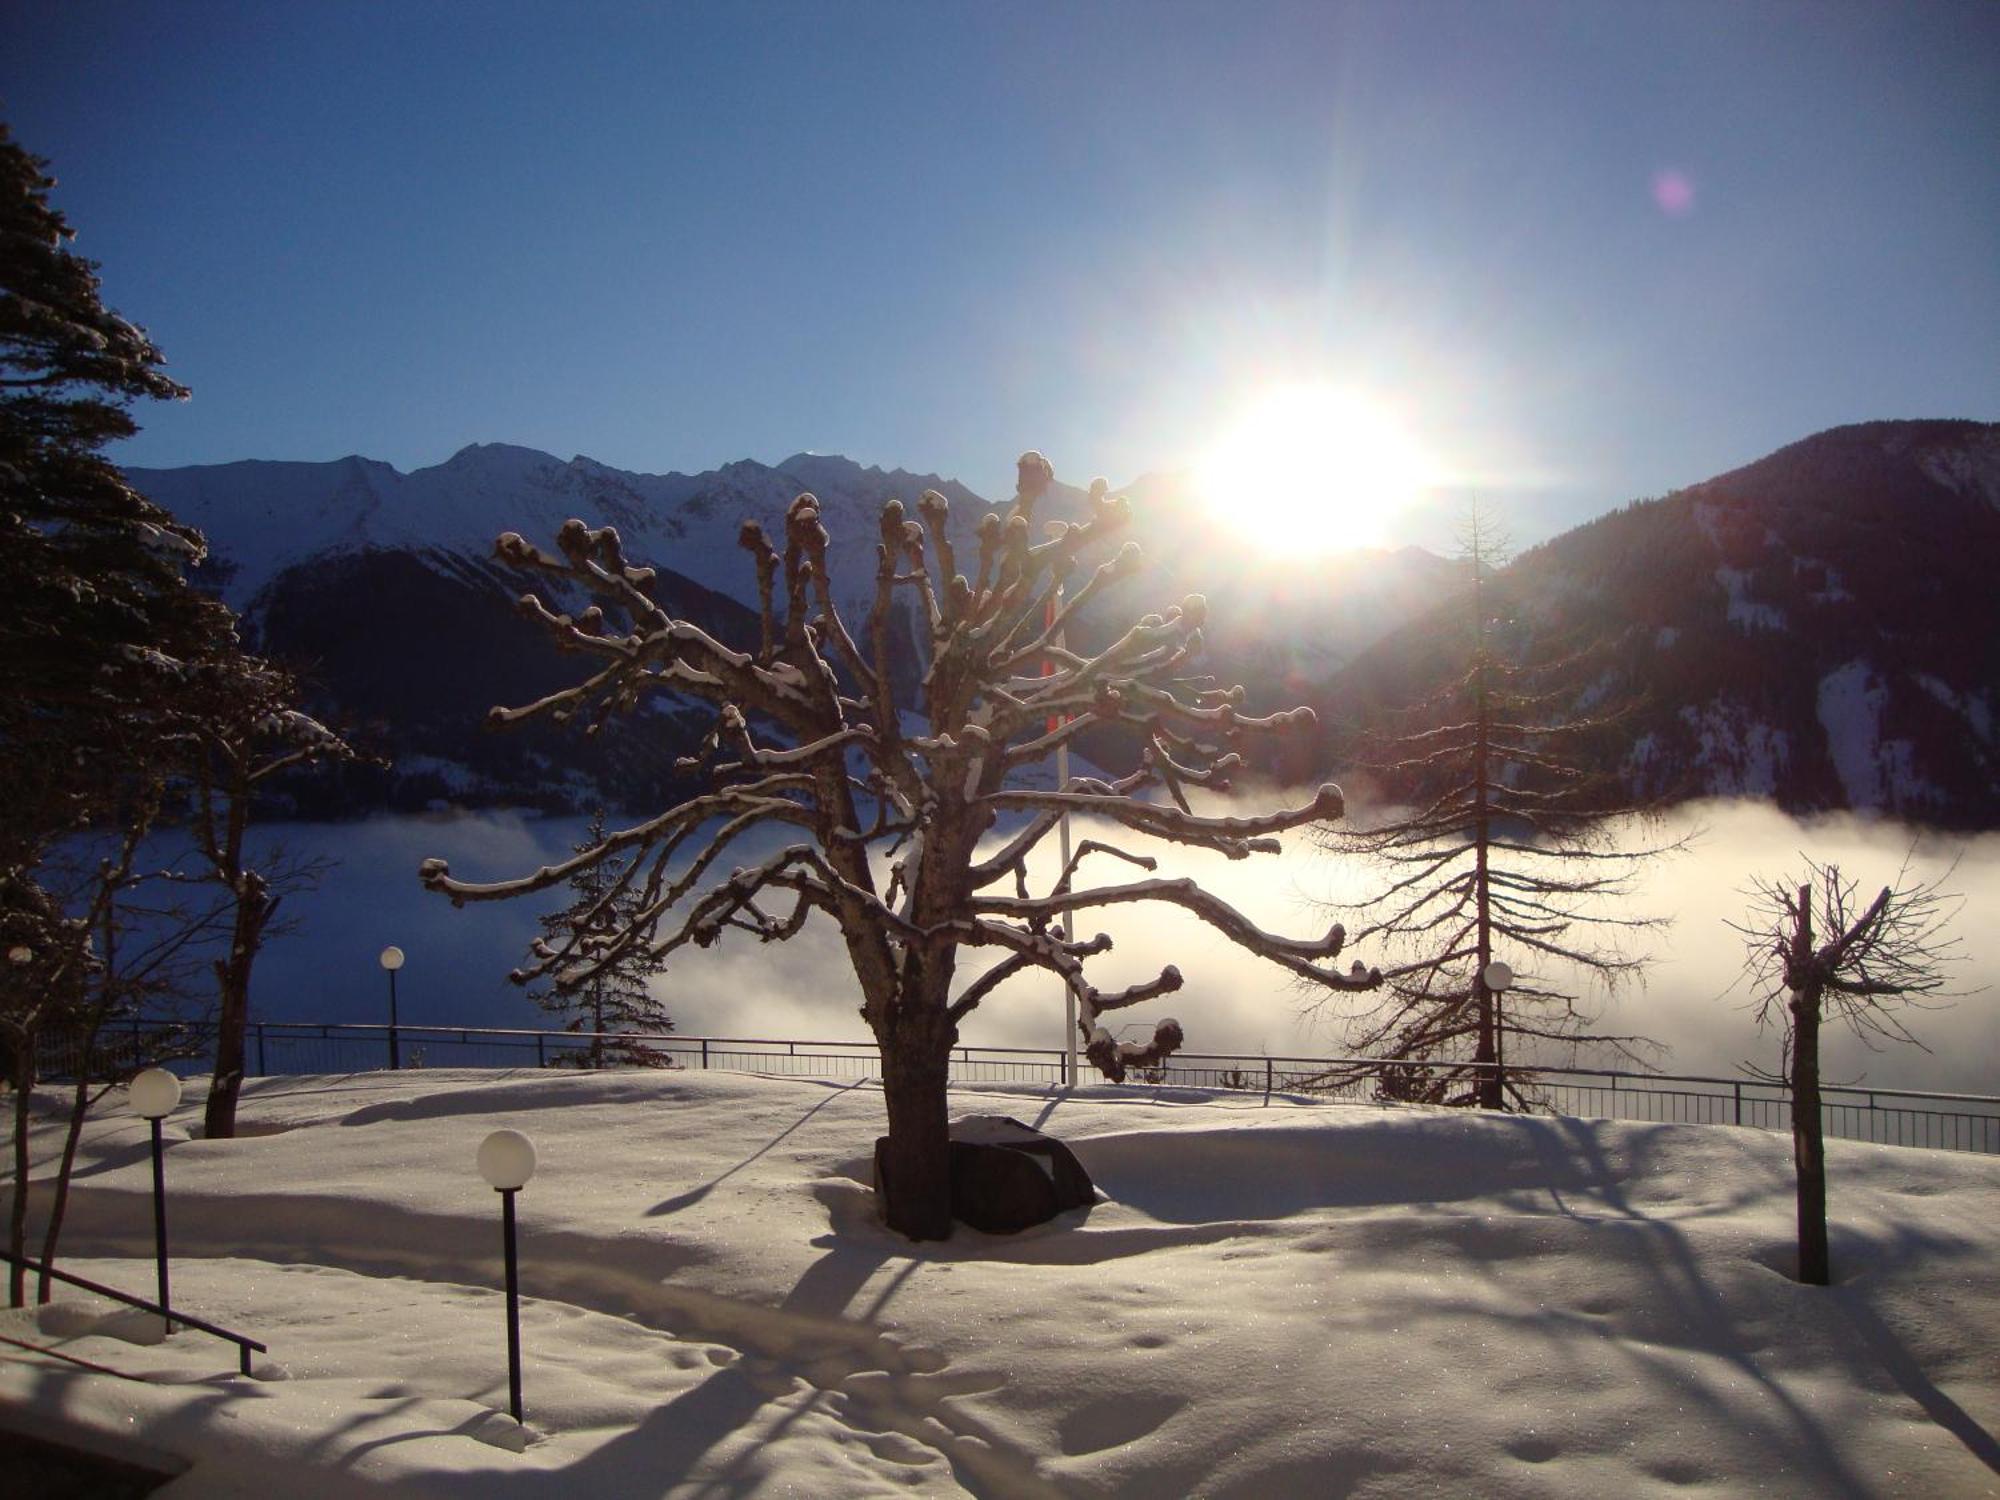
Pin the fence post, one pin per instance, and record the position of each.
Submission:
(1737, 1089)
(262, 1070)
(541, 1049)
(704, 1052)
(1267, 1080)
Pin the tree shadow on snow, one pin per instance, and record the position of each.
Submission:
(694, 1195)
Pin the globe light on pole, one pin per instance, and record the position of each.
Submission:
(507, 1160)
(391, 961)
(1498, 978)
(153, 1095)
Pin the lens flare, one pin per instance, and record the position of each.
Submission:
(1313, 469)
(1673, 193)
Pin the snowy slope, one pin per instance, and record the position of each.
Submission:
(1819, 627)
(1293, 1300)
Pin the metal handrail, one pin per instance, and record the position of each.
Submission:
(1971, 1120)
(243, 1344)
(675, 1040)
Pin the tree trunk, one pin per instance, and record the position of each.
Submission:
(253, 913)
(1492, 1081)
(1808, 1140)
(913, 1162)
(17, 1220)
(52, 1233)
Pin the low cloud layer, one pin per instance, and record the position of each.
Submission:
(1690, 1001)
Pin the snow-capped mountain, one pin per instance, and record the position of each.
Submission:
(265, 519)
(382, 587)
(1820, 628)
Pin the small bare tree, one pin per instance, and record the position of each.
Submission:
(889, 814)
(95, 947)
(244, 728)
(1814, 953)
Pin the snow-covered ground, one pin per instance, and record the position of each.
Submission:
(1267, 1301)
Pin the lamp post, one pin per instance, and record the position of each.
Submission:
(392, 960)
(1498, 978)
(507, 1161)
(153, 1094)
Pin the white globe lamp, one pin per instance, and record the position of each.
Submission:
(154, 1093)
(507, 1160)
(392, 960)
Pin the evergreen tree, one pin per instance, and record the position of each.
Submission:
(611, 996)
(1503, 851)
(101, 624)
(122, 686)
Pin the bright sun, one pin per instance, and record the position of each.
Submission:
(1312, 469)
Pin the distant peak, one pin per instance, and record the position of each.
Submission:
(487, 454)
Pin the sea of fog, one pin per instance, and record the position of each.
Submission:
(1691, 1001)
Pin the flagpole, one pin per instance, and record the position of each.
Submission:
(1062, 831)
(1069, 995)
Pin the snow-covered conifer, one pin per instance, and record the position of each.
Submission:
(101, 623)
(609, 997)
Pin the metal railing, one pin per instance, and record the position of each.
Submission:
(1886, 1116)
(170, 1317)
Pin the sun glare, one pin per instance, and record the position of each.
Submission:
(1313, 469)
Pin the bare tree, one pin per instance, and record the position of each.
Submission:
(94, 943)
(889, 816)
(1814, 953)
(243, 729)
(142, 934)
(1509, 852)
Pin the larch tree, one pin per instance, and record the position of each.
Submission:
(1505, 850)
(1815, 954)
(889, 816)
(610, 996)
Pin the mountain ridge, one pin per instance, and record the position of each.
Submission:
(1860, 556)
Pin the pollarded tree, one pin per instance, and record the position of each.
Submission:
(889, 815)
(609, 995)
(1814, 953)
(1506, 852)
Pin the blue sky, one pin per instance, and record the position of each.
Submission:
(1584, 252)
